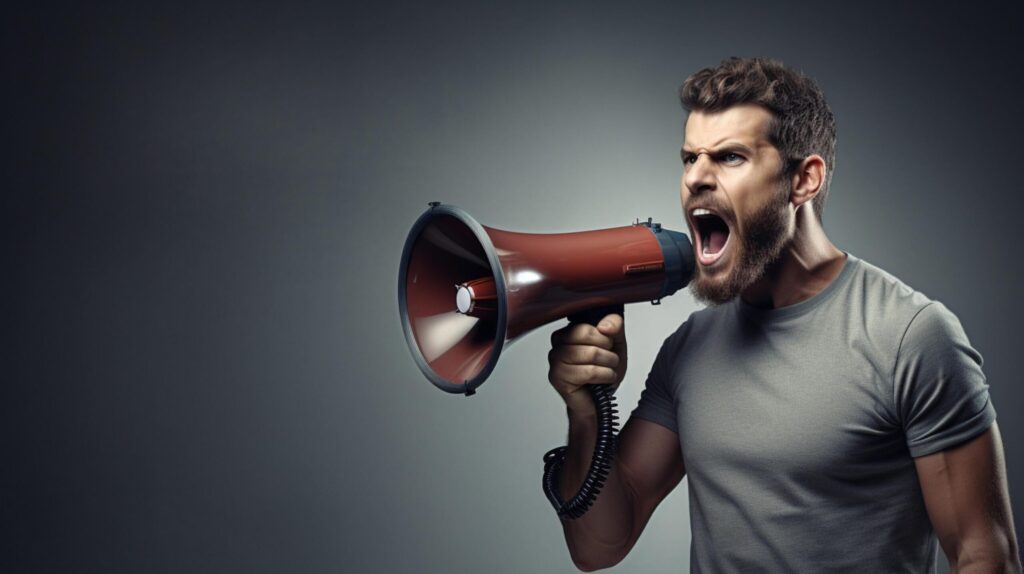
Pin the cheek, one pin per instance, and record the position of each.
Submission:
(755, 196)
(743, 210)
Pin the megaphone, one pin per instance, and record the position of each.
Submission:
(466, 291)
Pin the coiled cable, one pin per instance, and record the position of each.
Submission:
(600, 464)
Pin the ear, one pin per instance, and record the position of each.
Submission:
(807, 180)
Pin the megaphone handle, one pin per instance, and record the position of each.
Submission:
(604, 447)
(594, 315)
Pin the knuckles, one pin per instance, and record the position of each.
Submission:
(573, 357)
(562, 375)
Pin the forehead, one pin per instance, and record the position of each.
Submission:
(746, 124)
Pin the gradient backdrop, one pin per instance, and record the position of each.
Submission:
(204, 209)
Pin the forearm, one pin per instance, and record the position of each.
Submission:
(602, 536)
(966, 494)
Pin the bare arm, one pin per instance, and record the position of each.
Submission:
(968, 502)
(647, 466)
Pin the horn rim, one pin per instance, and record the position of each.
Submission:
(467, 387)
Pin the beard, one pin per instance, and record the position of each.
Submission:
(764, 237)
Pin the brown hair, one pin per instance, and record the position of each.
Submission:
(802, 123)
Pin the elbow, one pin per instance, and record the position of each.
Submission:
(585, 566)
(593, 563)
(591, 566)
(594, 555)
(996, 556)
(990, 565)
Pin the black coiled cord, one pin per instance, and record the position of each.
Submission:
(600, 465)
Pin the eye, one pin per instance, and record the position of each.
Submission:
(731, 158)
(689, 158)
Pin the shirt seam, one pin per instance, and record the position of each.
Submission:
(896, 360)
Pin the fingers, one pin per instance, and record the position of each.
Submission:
(584, 355)
(581, 334)
(579, 375)
(613, 326)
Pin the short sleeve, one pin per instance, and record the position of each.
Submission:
(657, 401)
(940, 391)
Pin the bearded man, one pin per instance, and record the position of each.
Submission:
(827, 416)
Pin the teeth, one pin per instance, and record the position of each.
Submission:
(699, 212)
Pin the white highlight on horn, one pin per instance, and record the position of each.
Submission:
(526, 277)
(439, 333)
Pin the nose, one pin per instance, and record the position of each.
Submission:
(699, 176)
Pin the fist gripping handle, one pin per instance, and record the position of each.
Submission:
(604, 447)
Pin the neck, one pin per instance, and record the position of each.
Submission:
(807, 264)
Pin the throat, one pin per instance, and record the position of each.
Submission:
(714, 233)
(714, 241)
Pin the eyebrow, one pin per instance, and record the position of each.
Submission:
(728, 146)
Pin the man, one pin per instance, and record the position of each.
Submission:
(827, 416)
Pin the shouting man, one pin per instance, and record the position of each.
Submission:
(828, 417)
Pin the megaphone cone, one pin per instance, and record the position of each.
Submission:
(465, 290)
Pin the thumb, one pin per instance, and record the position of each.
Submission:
(613, 326)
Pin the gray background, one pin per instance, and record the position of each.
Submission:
(204, 209)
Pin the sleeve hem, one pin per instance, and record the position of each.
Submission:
(655, 418)
(896, 360)
(973, 428)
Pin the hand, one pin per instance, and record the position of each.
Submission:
(582, 354)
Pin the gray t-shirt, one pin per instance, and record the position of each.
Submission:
(798, 425)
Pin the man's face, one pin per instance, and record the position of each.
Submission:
(735, 199)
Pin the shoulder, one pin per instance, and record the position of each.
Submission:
(882, 303)
(886, 288)
(921, 335)
(920, 317)
(934, 333)
(909, 314)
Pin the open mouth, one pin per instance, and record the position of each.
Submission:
(712, 235)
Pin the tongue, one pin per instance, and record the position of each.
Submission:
(716, 240)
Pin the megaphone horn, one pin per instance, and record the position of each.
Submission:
(465, 291)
